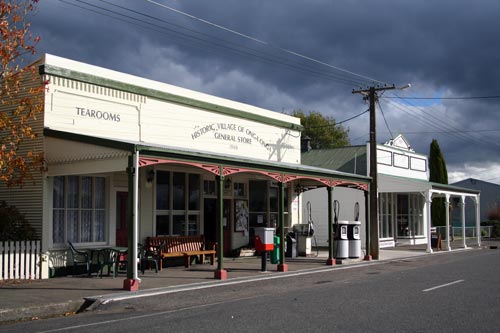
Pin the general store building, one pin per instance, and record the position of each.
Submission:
(126, 152)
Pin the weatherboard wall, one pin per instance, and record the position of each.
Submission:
(94, 101)
(28, 199)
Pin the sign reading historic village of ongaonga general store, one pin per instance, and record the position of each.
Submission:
(232, 133)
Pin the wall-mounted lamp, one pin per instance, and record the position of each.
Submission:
(227, 183)
(150, 177)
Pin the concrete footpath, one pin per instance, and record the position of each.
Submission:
(36, 299)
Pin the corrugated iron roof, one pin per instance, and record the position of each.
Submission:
(351, 159)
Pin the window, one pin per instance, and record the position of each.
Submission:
(404, 212)
(162, 190)
(178, 206)
(264, 204)
(386, 211)
(258, 203)
(209, 188)
(194, 192)
(402, 215)
(179, 187)
(409, 215)
(78, 209)
(273, 206)
(239, 190)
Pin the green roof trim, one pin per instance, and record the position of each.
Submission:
(161, 95)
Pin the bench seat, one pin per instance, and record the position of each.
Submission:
(183, 246)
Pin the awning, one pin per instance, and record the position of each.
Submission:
(222, 165)
(393, 184)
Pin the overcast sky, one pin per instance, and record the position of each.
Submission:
(310, 55)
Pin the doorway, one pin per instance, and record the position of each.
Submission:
(121, 219)
(210, 220)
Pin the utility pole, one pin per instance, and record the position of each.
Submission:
(372, 227)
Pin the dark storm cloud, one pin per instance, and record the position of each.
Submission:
(449, 43)
(444, 48)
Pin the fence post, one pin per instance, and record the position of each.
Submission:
(20, 260)
(2, 260)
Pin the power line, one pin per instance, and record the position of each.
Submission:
(385, 120)
(262, 42)
(446, 126)
(338, 76)
(446, 98)
(432, 121)
(359, 137)
(340, 122)
(209, 41)
(461, 131)
(217, 44)
(356, 116)
(438, 122)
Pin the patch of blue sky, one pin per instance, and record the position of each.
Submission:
(435, 99)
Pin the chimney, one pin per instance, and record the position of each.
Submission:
(305, 144)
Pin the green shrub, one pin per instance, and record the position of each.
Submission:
(13, 224)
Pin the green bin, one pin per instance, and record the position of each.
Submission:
(275, 253)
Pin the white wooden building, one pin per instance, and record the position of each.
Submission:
(126, 153)
(404, 192)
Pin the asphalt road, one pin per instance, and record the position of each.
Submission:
(457, 291)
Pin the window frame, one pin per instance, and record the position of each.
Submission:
(98, 235)
(190, 217)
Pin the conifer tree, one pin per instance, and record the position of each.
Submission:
(437, 174)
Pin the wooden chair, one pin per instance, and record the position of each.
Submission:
(80, 258)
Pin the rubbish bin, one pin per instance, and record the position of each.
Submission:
(275, 253)
(291, 245)
(354, 236)
(341, 241)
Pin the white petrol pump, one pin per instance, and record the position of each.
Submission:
(304, 233)
(347, 234)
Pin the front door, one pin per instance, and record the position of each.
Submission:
(121, 219)
(210, 220)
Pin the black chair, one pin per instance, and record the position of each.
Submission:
(149, 257)
(107, 258)
(80, 258)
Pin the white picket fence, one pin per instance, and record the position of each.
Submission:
(20, 260)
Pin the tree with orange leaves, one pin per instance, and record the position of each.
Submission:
(21, 93)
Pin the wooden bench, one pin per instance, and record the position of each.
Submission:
(183, 246)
